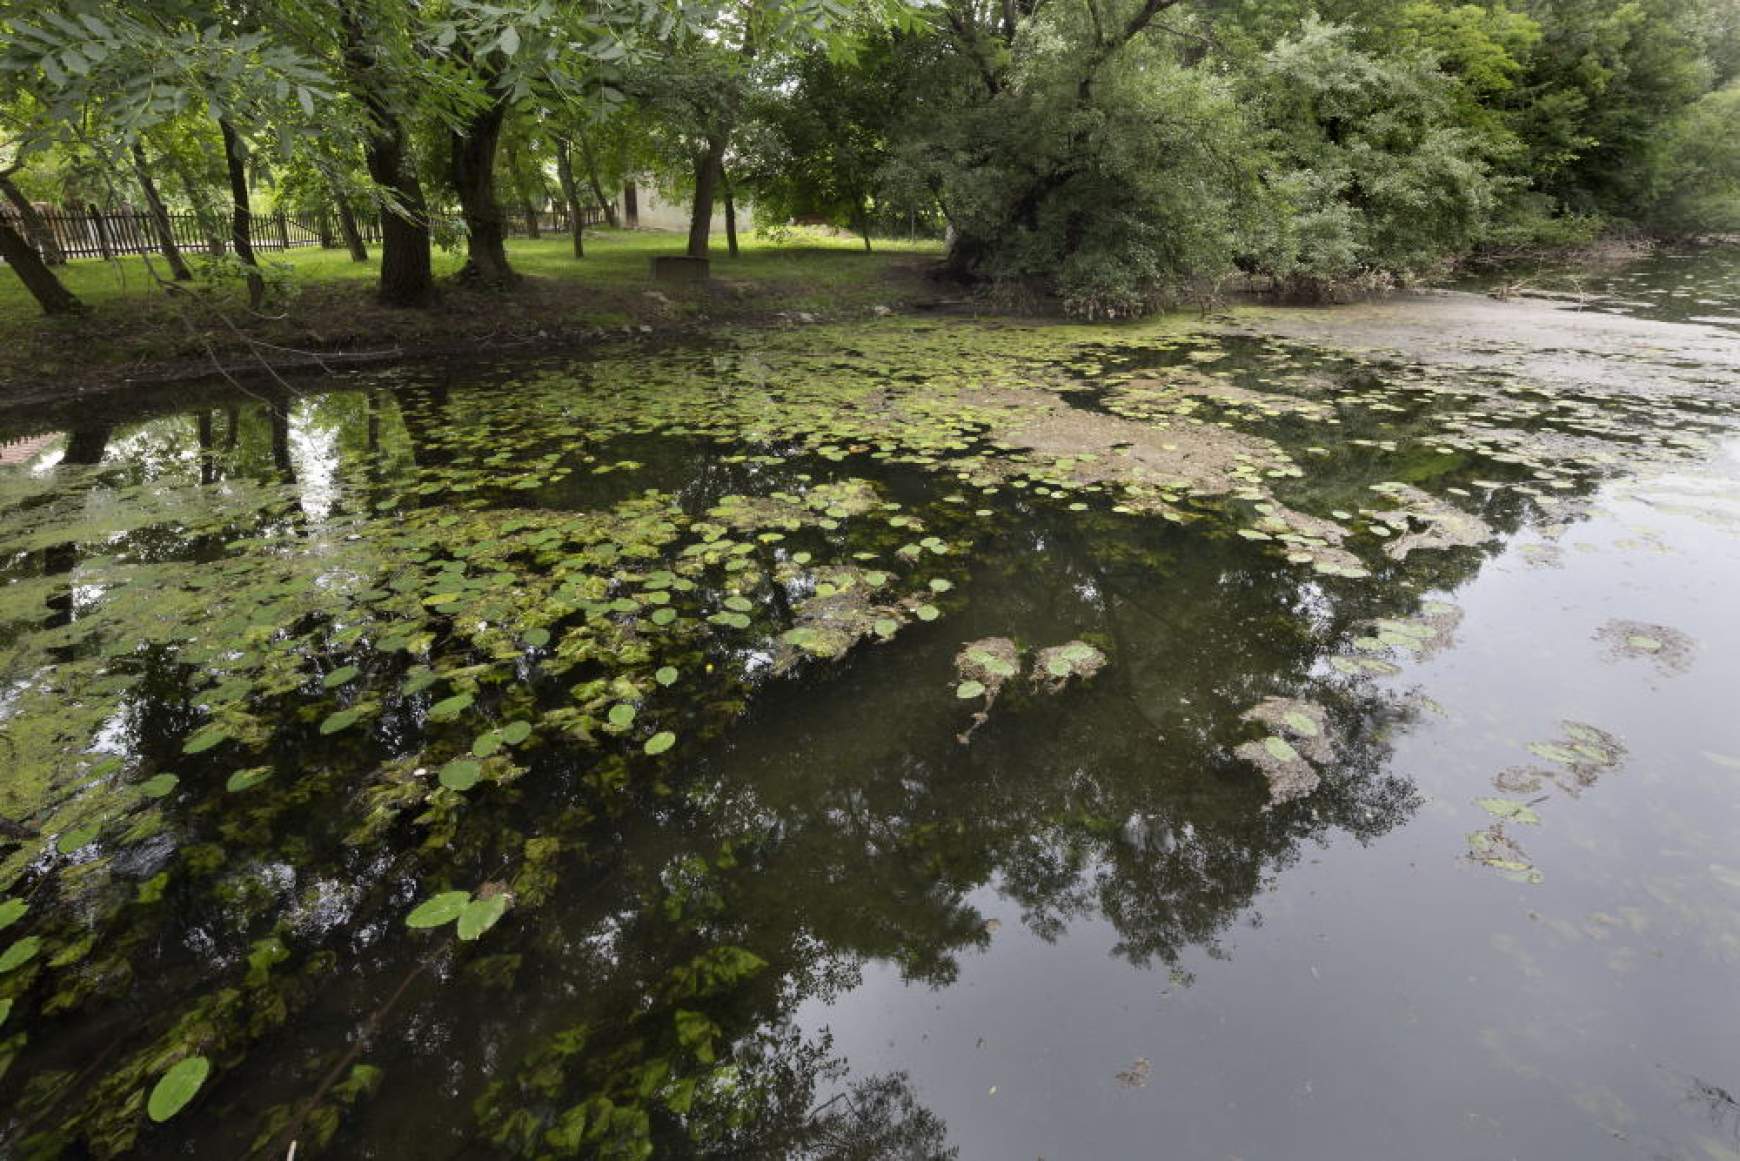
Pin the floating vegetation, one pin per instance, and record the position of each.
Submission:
(1055, 665)
(1669, 650)
(1291, 755)
(332, 699)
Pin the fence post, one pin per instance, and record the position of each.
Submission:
(325, 230)
(102, 233)
(284, 231)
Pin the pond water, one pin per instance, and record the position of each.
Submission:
(908, 739)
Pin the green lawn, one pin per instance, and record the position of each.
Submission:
(614, 258)
(132, 327)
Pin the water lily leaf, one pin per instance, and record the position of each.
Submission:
(11, 912)
(461, 774)
(449, 708)
(20, 953)
(176, 1087)
(536, 638)
(1059, 666)
(480, 915)
(339, 676)
(666, 675)
(204, 739)
(5, 1010)
(1563, 755)
(1280, 749)
(247, 779)
(159, 785)
(438, 910)
(738, 604)
(1301, 724)
(927, 612)
(1644, 643)
(969, 689)
(939, 585)
(516, 732)
(885, 626)
(487, 743)
(340, 720)
(621, 715)
(1509, 808)
(72, 840)
(663, 616)
(660, 742)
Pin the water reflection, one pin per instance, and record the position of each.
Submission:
(329, 573)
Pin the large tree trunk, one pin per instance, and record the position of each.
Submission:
(36, 229)
(863, 215)
(159, 217)
(608, 205)
(353, 239)
(472, 153)
(708, 166)
(630, 206)
(239, 216)
(730, 214)
(571, 194)
(34, 273)
(407, 271)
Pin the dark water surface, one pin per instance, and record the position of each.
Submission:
(1354, 822)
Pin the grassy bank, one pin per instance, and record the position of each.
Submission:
(133, 330)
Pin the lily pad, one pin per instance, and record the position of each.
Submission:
(438, 910)
(967, 690)
(461, 774)
(176, 1087)
(480, 915)
(660, 742)
(159, 785)
(247, 779)
(20, 953)
(11, 911)
(621, 715)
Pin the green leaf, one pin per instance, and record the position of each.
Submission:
(204, 739)
(480, 915)
(487, 743)
(536, 638)
(76, 838)
(159, 786)
(1509, 808)
(5, 1010)
(20, 953)
(927, 612)
(1059, 666)
(449, 708)
(660, 742)
(621, 715)
(247, 779)
(1280, 750)
(11, 912)
(439, 909)
(1302, 724)
(969, 689)
(461, 774)
(340, 720)
(177, 1087)
(339, 676)
(516, 732)
(666, 675)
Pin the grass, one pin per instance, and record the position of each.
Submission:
(132, 328)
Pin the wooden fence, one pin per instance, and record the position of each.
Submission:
(106, 233)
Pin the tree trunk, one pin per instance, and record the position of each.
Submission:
(707, 169)
(570, 194)
(864, 223)
(630, 206)
(527, 207)
(472, 154)
(34, 273)
(730, 214)
(607, 204)
(407, 271)
(347, 226)
(195, 192)
(38, 231)
(159, 217)
(239, 216)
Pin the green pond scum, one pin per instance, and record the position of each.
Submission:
(710, 750)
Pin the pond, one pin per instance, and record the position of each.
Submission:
(1276, 736)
